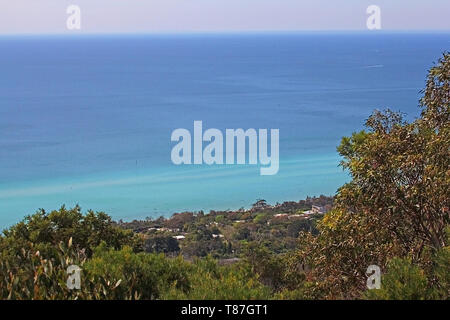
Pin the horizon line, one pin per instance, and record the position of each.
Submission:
(226, 32)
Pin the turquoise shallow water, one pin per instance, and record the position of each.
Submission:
(88, 120)
(131, 195)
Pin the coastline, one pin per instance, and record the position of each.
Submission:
(154, 192)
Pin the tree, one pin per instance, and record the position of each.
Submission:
(242, 233)
(404, 281)
(161, 244)
(44, 231)
(397, 203)
(400, 171)
(178, 220)
(296, 226)
(407, 281)
(141, 275)
(260, 204)
(210, 281)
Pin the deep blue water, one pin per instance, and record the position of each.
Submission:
(88, 119)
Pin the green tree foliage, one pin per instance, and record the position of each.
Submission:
(261, 218)
(441, 271)
(161, 244)
(403, 281)
(33, 276)
(272, 269)
(141, 275)
(209, 281)
(179, 220)
(339, 256)
(44, 231)
(296, 226)
(125, 275)
(242, 233)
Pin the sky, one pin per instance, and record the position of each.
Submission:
(156, 16)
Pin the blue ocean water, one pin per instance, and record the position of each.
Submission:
(88, 119)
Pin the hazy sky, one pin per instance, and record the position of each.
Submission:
(98, 16)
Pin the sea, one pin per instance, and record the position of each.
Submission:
(87, 119)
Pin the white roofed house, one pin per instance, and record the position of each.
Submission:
(318, 209)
